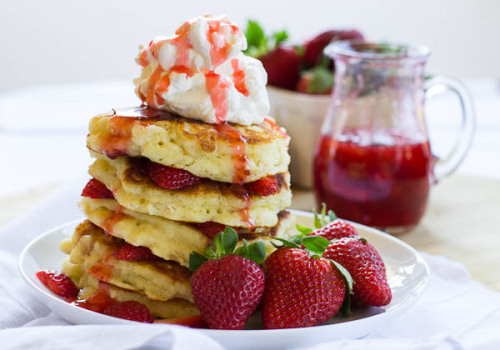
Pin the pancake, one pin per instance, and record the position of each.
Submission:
(228, 204)
(225, 152)
(173, 308)
(159, 279)
(168, 239)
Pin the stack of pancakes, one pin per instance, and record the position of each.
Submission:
(166, 222)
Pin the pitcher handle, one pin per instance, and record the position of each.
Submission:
(447, 165)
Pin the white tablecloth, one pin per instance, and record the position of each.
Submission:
(455, 312)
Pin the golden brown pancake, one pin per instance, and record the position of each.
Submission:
(168, 239)
(228, 204)
(226, 152)
(158, 279)
(173, 308)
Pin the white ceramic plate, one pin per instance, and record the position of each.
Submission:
(407, 272)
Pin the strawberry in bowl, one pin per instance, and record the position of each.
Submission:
(300, 79)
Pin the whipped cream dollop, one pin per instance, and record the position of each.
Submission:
(201, 73)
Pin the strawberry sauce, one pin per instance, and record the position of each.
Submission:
(382, 184)
(239, 77)
(98, 301)
(218, 53)
(241, 165)
(150, 99)
(217, 89)
(112, 220)
(118, 140)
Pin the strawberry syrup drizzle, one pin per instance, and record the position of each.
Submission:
(102, 270)
(218, 54)
(98, 301)
(217, 89)
(237, 143)
(118, 140)
(239, 77)
(159, 81)
(113, 219)
(153, 79)
(275, 127)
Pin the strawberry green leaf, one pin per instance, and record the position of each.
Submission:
(257, 252)
(346, 275)
(258, 43)
(331, 215)
(210, 253)
(346, 305)
(320, 80)
(280, 36)
(254, 34)
(242, 250)
(286, 243)
(304, 230)
(229, 239)
(319, 219)
(225, 241)
(297, 238)
(196, 260)
(315, 244)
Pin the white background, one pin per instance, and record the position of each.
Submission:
(72, 41)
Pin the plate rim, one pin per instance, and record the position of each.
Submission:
(217, 333)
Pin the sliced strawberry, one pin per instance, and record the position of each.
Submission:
(210, 229)
(130, 252)
(96, 189)
(263, 187)
(282, 66)
(335, 230)
(58, 283)
(129, 310)
(171, 178)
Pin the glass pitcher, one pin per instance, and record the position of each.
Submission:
(373, 163)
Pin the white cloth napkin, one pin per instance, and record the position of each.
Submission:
(455, 313)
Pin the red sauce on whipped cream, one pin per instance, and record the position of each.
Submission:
(239, 77)
(219, 54)
(217, 89)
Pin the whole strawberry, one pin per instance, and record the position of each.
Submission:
(335, 229)
(171, 178)
(302, 289)
(366, 267)
(282, 66)
(227, 288)
(281, 62)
